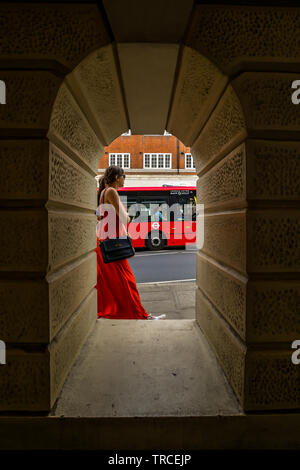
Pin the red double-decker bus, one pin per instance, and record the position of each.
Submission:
(152, 225)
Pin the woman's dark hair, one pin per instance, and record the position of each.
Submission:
(109, 177)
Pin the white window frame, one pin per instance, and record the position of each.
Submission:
(115, 154)
(193, 164)
(164, 167)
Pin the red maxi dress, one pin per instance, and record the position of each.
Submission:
(118, 297)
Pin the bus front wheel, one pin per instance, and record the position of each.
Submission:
(155, 241)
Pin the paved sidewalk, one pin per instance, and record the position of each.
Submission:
(175, 299)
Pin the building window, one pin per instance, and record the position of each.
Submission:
(160, 161)
(167, 160)
(157, 161)
(146, 160)
(154, 160)
(189, 161)
(120, 159)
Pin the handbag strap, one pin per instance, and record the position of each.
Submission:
(101, 216)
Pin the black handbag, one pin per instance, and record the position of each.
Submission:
(115, 249)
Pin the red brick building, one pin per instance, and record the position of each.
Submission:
(150, 160)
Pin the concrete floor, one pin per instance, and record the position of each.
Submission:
(131, 368)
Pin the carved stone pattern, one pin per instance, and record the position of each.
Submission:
(230, 354)
(69, 124)
(98, 77)
(23, 169)
(273, 242)
(24, 241)
(266, 99)
(69, 290)
(272, 381)
(197, 77)
(274, 313)
(65, 349)
(227, 293)
(30, 96)
(232, 33)
(66, 33)
(69, 183)
(24, 381)
(226, 122)
(225, 181)
(224, 239)
(70, 236)
(275, 170)
(28, 320)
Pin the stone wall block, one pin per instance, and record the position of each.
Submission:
(272, 381)
(25, 381)
(228, 348)
(273, 241)
(267, 105)
(68, 288)
(65, 347)
(72, 133)
(226, 290)
(31, 381)
(29, 99)
(273, 311)
(69, 183)
(259, 311)
(263, 379)
(57, 32)
(224, 185)
(273, 170)
(24, 242)
(70, 235)
(225, 130)
(24, 169)
(24, 311)
(225, 238)
(198, 88)
(232, 36)
(96, 84)
(45, 305)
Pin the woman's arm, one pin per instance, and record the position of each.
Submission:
(114, 199)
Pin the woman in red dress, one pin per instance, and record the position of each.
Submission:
(118, 297)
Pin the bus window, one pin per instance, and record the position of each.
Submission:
(153, 210)
(130, 202)
(185, 208)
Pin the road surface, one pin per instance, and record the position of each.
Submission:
(165, 265)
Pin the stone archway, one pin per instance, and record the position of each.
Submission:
(239, 122)
(90, 110)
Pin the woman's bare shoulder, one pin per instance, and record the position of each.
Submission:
(112, 194)
(111, 189)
